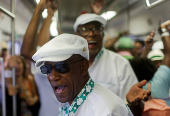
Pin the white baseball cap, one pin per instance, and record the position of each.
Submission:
(86, 18)
(156, 55)
(61, 48)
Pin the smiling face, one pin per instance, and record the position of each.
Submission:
(95, 41)
(67, 86)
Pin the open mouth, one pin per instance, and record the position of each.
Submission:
(60, 89)
(92, 43)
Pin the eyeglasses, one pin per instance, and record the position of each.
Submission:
(85, 30)
(61, 67)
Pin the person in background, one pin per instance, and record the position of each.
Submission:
(124, 47)
(148, 45)
(25, 90)
(153, 50)
(4, 54)
(107, 68)
(137, 48)
(31, 43)
(160, 82)
(156, 56)
(144, 68)
(110, 42)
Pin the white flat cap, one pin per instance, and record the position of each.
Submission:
(88, 17)
(156, 55)
(61, 48)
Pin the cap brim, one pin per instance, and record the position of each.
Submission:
(157, 58)
(52, 59)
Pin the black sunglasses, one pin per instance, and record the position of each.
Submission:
(61, 67)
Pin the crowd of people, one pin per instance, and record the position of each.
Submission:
(79, 75)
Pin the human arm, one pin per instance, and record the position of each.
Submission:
(148, 44)
(160, 82)
(12, 62)
(134, 97)
(44, 34)
(29, 42)
(32, 100)
(97, 6)
(110, 42)
(166, 43)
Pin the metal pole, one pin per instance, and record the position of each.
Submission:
(13, 53)
(12, 16)
(3, 88)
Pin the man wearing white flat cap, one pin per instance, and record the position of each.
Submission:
(106, 67)
(65, 61)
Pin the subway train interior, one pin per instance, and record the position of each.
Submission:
(84, 57)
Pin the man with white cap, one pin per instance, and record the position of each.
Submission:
(106, 67)
(156, 56)
(65, 61)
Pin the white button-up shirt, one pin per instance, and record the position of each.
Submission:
(114, 72)
(95, 100)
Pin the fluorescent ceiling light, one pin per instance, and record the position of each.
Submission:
(37, 1)
(45, 13)
(108, 15)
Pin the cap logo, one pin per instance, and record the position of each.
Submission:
(84, 50)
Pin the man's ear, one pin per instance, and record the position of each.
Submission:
(84, 67)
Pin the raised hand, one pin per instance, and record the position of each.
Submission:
(52, 8)
(12, 62)
(32, 100)
(136, 93)
(12, 90)
(97, 6)
(149, 40)
(43, 4)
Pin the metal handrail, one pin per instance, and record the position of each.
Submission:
(7, 12)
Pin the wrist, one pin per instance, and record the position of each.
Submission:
(50, 15)
(162, 30)
(165, 34)
(39, 9)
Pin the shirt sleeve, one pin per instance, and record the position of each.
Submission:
(160, 83)
(126, 77)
